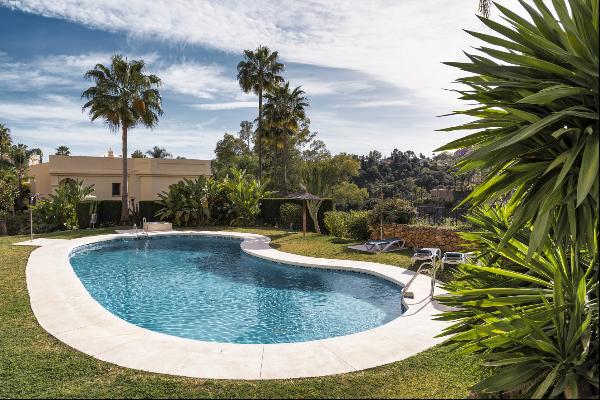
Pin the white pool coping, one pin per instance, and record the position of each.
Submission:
(65, 309)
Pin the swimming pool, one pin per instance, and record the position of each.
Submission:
(206, 288)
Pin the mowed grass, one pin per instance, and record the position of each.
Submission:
(35, 364)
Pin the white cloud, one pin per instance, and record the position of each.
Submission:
(205, 81)
(376, 103)
(400, 42)
(321, 87)
(62, 71)
(226, 106)
(50, 107)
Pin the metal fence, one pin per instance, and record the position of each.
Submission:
(437, 214)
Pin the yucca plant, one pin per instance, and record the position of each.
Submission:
(529, 305)
(533, 319)
(536, 86)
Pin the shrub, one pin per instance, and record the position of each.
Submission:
(270, 215)
(290, 214)
(185, 203)
(244, 194)
(336, 223)
(390, 211)
(59, 210)
(348, 224)
(358, 225)
(234, 201)
(219, 209)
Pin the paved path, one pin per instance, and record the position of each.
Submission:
(65, 309)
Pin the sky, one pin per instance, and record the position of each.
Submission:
(371, 69)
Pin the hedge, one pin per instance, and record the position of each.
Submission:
(269, 212)
(83, 214)
(148, 209)
(108, 213)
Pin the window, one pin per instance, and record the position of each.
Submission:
(116, 189)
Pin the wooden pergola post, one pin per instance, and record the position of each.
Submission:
(304, 197)
(304, 218)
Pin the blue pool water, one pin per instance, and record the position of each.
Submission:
(208, 289)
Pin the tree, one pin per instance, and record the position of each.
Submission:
(283, 114)
(485, 7)
(316, 151)
(20, 155)
(345, 194)
(529, 305)
(406, 175)
(8, 195)
(232, 152)
(259, 72)
(5, 143)
(319, 177)
(158, 152)
(138, 154)
(246, 132)
(63, 151)
(124, 96)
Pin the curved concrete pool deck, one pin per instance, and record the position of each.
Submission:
(65, 309)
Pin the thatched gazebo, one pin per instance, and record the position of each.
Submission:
(305, 197)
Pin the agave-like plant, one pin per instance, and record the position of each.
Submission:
(534, 319)
(185, 203)
(529, 305)
(536, 85)
(244, 194)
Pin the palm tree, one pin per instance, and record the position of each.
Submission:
(284, 111)
(124, 96)
(259, 72)
(5, 142)
(485, 7)
(20, 155)
(63, 151)
(138, 154)
(158, 152)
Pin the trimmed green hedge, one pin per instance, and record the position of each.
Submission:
(270, 215)
(83, 214)
(109, 213)
(148, 209)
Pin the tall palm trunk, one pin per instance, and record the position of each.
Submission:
(19, 203)
(259, 134)
(285, 162)
(124, 181)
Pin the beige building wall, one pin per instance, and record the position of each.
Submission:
(146, 176)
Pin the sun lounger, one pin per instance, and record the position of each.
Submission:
(426, 254)
(455, 258)
(384, 245)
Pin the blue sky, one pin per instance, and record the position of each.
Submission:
(372, 70)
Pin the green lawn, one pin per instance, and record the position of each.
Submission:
(35, 364)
